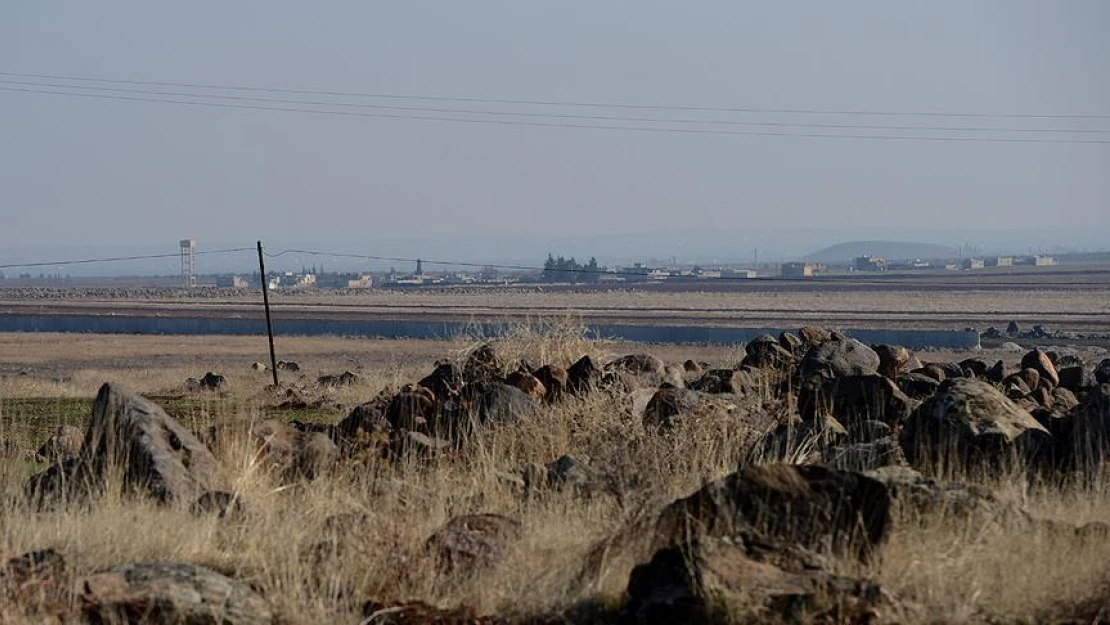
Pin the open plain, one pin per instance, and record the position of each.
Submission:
(479, 479)
(534, 507)
(1059, 298)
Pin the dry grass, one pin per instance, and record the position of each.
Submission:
(956, 571)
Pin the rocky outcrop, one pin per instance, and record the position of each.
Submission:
(295, 454)
(752, 578)
(153, 453)
(814, 507)
(469, 543)
(170, 592)
(839, 357)
(969, 421)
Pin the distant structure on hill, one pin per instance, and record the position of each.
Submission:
(868, 262)
(847, 253)
(799, 270)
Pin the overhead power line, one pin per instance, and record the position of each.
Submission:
(565, 103)
(548, 115)
(114, 259)
(544, 124)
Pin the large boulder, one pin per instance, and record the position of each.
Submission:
(638, 364)
(791, 343)
(894, 360)
(1102, 372)
(765, 352)
(813, 335)
(969, 420)
(501, 404)
(667, 403)
(855, 398)
(1043, 365)
(413, 408)
(170, 592)
(528, 383)
(723, 381)
(39, 583)
(295, 453)
(918, 497)
(1077, 378)
(813, 506)
(918, 385)
(582, 376)
(483, 366)
(153, 453)
(755, 580)
(840, 357)
(472, 542)
(555, 379)
(564, 473)
(670, 405)
(365, 420)
(445, 381)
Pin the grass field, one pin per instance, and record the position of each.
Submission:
(955, 570)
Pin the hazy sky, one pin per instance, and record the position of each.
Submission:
(79, 170)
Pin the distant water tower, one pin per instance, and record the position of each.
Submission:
(189, 262)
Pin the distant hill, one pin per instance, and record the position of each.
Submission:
(890, 250)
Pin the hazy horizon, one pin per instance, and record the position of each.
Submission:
(502, 181)
(706, 248)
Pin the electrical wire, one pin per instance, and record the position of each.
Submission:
(563, 103)
(544, 115)
(537, 124)
(115, 259)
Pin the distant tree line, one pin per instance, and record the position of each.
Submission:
(569, 270)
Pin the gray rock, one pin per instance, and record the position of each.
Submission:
(293, 453)
(154, 453)
(918, 385)
(1041, 362)
(855, 398)
(1077, 378)
(813, 506)
(469, 543)
(170, 592)
(970, 420)
(754, 577)
(1102, 372)
(918, 497)
(840, 357)
(669, 405)
(582, 376)
(638, 364)
(893, 360)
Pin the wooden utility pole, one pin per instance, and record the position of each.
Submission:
(266, 303)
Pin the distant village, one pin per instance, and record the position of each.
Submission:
(567, 271)
(876, 264)
(555, 270)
